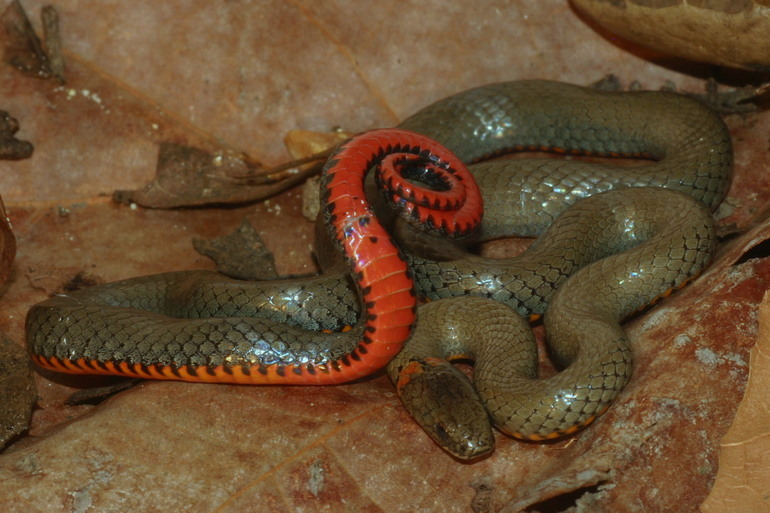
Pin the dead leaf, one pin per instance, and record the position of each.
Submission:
(189, 176)
(22, 47)
(10, 147)
(240, 254)
(17, 390)
(743, 481)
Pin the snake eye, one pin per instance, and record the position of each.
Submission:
(442, 435)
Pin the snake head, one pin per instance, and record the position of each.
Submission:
(446, 405)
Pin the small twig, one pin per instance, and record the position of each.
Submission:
(288, 170)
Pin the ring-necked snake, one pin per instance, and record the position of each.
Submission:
(126, 327)
(196, 326)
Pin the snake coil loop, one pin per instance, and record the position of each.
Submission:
(431, 194)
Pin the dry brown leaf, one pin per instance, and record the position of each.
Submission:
(10, 147)
(188, 176)
(240, 254)
(17, 390)
(743, 482)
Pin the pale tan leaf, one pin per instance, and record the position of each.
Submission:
(743, 481)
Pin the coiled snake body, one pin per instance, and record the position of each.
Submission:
(623, 249)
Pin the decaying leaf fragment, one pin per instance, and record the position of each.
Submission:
(22, 47)
(10, 147)
(187, 176)
(240, 254)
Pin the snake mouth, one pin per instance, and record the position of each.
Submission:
(469, 448)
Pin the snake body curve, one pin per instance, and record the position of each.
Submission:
(637, 229)
(173, 326)
(689, 144)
